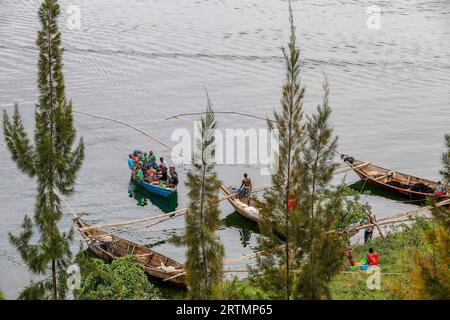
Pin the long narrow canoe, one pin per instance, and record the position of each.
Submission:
(163, 192)
(397, 182)
(240, 205)
(109, 247)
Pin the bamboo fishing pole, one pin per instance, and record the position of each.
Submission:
(169, 215)
(132, 127)
(220, 112)
(225, 262)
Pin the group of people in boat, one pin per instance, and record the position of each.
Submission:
(145, 168)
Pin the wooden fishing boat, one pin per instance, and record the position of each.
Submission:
(109, 247)
(240, 204)
(397, 182)
(156, 188)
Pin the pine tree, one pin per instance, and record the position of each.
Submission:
(276, 218)
(442, 214)
(301, 249)
(319, 208)
(445, 172)
(204, 265)
(429, 274)
(52, 160)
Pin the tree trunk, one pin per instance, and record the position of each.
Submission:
(55, 293)
(205, 293)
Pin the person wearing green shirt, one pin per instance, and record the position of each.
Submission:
(144, 158)
(151, 157)
(140, 174)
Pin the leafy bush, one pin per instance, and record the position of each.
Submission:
(123, 279)
(246, 289)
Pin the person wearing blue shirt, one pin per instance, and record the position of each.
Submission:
(130, 161)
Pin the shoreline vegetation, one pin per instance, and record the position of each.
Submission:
(304, 219)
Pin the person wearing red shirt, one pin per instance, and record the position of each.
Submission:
(372, 258)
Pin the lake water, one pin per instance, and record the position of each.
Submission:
(143, 61)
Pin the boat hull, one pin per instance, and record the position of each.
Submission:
(150, 259)
(235, 203)
(385, 178)
(159, 191)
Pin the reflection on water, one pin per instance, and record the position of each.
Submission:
(362, 186)
(142, 196)
(245, 236)
(247, 228)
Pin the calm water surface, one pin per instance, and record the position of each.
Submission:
(143, 61)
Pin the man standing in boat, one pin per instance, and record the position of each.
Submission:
(162, 168)
(246, 188)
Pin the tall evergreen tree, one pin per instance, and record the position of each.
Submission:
(429, 275)
(276, 218)
(442, 214)
(52, 160)
(319, 209)
(300, 212)
(445, 172)
(205, 252)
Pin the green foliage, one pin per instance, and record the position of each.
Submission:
(52, 160)
(247, 289)
(353, 286)
(302, 264)
(445, 172)
(275, 215)
(354, 210)
(396, 260)
(37, 291)
(204, 265)
(429, 275)
(2, 297)
(441, 214)
(123, 279)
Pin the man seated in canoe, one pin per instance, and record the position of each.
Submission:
(245, 189)
(440, 191)
(151, 160)
(139, 173)
(135, 157)
(131, 161)
(143, 157)
(162, 169)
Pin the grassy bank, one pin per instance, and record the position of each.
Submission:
(395, 260)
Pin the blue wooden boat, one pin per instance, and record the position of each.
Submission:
(138, 193)
(155, 189)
